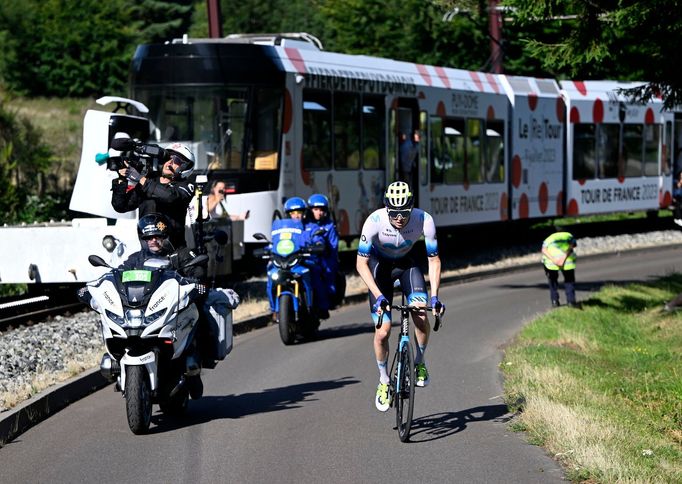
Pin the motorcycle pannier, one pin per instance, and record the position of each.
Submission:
(219, 316)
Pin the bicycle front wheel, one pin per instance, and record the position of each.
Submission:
(404, 378)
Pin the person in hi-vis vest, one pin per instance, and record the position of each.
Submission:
(558, 254)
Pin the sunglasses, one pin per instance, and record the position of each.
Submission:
(176, 159)
(396, 214)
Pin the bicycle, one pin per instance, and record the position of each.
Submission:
(402, 383)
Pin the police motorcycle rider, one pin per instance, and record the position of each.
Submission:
(153, 231)
(385, 254)
(169, 193)
(320, 221)
(294, 208)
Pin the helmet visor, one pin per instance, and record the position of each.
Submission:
(398, 214)
(177, 160)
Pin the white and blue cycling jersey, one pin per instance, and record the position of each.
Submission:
(381, 238)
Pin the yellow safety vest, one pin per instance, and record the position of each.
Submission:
(558, 245)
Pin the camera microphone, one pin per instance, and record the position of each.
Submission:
(123, 144)
(101, 158)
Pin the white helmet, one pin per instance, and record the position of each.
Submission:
(398, 196)
(187, 157)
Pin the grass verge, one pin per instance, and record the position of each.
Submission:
(601, 387)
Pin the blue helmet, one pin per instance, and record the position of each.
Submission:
(293, 204)
(318, 200)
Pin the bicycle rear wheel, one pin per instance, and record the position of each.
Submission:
(404, 378)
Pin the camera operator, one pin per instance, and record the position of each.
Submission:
(168, 193)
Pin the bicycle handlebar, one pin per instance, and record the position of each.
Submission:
(411, 309)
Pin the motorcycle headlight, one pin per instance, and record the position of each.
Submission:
(152, 318)
(134, 318)
(285, 262)
(114, 317)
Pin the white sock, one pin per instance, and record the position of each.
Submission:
(383, 374)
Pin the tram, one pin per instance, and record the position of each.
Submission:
(275, 116)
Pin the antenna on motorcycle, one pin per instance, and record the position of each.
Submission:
(97, 261)
(200, 181)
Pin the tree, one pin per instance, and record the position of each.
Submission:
(276, 16)
(24, 159)
(412, 30)
(65, 48)
(626, 40)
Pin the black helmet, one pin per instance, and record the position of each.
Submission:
(152, 224)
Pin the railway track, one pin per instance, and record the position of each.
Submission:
(24, 311)
(459, 247)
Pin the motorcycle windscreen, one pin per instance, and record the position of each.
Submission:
(287, 236)
(92, 190)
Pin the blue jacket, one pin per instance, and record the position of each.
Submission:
(330, 238)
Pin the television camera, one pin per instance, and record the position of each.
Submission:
(145, 158)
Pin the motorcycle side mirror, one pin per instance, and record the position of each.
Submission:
(319, 232)
(97, 261)
(259, 236)
(198, 260)
(260, 252)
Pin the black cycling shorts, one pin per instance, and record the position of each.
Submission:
(406, 270)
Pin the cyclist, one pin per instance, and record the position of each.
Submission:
(384, 255)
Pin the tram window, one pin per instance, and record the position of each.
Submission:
(346, 131)
(652, 134)
(474, 167)
(632, 150)
(317, 129)
(373, 147)
(666, 155)
(494, 151)
(423, 151)
(584, 144)
(608, 147)
(438, 163)
(267, 121)
(232, 120)
(454, 150)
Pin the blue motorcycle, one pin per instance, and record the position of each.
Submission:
(289, 283)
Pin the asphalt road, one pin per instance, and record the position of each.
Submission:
(305, 413)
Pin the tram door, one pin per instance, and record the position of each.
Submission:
(405, 147)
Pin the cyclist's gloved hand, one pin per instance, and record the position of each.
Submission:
(382, 303)
(133, 175)
(437, 306)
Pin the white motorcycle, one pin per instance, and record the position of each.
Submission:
(149, 322)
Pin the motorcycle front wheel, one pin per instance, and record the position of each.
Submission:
(138, 397)
(287, 319)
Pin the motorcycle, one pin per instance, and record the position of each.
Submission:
(149, 323)
(289, 277)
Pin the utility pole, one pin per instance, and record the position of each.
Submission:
(495, 33)
(215, 24)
